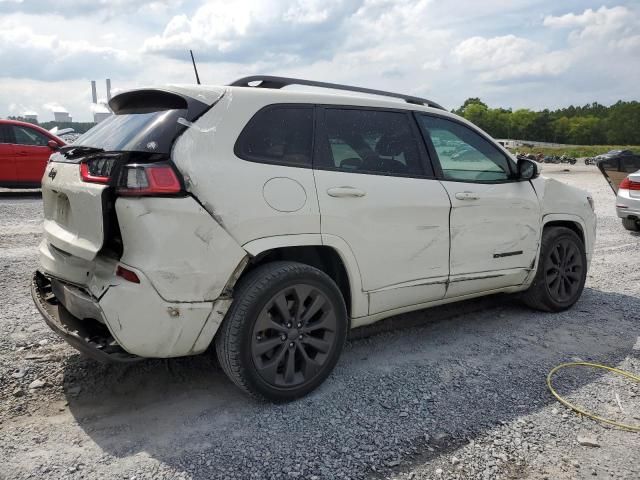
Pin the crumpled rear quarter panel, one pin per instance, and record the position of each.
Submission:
(146, 325)
(185, 253)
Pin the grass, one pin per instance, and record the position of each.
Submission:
(578, 151)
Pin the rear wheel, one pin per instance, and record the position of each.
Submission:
(284, 332)
(631, 224)
(562, 271)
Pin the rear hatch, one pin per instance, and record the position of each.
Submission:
(82, 180)
(616, 169)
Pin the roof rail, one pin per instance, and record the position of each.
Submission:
(267, 81)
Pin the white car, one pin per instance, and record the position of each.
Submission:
(270, 222)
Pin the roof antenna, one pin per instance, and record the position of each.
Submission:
(195, 69)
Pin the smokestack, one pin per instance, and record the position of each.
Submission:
(108, 89)
(94, 94)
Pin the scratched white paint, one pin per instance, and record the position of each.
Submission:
(395, 238)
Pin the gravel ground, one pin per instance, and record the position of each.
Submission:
(452, 392)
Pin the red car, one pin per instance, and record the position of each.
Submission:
(24, 151)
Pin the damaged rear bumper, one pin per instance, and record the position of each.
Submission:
(88, 334)
(128, 321)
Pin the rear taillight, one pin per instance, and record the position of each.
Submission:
(97, 170)
(627, 184)
(149, 179)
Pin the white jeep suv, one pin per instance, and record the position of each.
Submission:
(271, 221)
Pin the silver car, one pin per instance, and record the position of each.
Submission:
(623, 175)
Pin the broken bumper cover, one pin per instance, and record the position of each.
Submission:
(91, 338)
(128, 321)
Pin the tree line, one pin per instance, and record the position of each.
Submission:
(593, 124)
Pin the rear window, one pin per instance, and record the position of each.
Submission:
(280, 135)
(135, 132)
(143, 121)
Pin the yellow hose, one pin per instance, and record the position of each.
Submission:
(633, 428)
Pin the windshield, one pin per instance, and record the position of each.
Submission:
(135, 132)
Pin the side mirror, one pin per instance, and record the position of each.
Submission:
(527, 169)
(53, 145)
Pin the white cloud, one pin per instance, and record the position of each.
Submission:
(509, 53)
(27, 54)
(485, 53)
(615, 27)
(597, 39)
(433, 65)
(299, 30)
(54, 107)
(75, 8)
(604, 20)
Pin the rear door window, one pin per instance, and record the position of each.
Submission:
(370, 141)
(29, 136)
(6, 134)
(281, 135)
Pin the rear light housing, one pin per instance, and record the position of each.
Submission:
(149, 179)
(133, 179)
(627, 184)
(97, 170)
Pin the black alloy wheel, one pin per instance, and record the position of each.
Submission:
(284, 332)
(563, 270)
(293, 336)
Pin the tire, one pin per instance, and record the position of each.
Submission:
(631, 224)
(562, 252)
(261, 345)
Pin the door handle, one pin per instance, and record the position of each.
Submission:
(345, 192)
(23, 153)
(467, 196)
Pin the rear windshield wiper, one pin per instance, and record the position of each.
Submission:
(73, 151)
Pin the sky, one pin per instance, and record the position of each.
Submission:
(514, 54)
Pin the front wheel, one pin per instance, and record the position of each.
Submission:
(631, 224)
(561, 273)
(284, 331)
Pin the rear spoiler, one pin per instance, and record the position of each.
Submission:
(194, 98)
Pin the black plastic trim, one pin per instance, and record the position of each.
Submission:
(17, 185)
(267, 81)
(507, 254)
